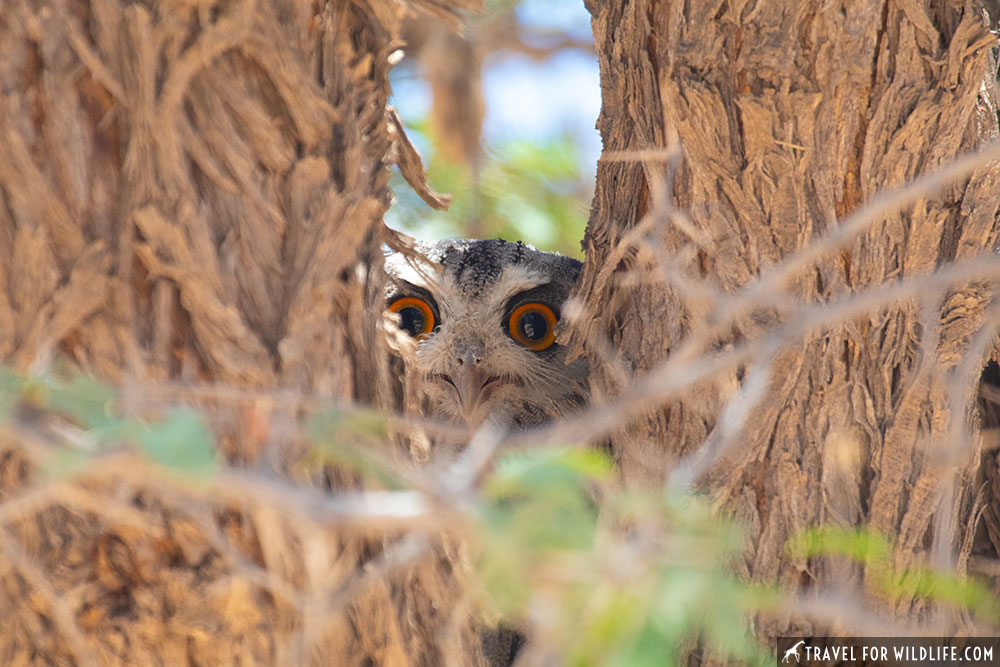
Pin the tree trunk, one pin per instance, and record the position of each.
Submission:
(793, 116)
(192, 192)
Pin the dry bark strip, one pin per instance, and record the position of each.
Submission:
(792, 115)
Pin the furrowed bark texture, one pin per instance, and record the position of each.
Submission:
(193, 192)
(792, 115)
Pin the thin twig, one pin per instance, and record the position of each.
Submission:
(681, 371)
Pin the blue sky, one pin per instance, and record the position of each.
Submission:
(531, 100)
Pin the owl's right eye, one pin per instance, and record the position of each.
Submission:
(415, 316)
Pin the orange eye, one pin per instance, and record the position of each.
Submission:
(415, 316)
(533, 325)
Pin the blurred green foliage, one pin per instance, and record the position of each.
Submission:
(180, 441)
(637, 579)
(605, 575)
(357, 440)
(620, 578)
(874, 551)
(527, 191)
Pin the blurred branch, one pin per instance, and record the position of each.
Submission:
(538, 45)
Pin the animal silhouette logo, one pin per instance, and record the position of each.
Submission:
(793, 651)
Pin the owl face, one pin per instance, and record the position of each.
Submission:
(483, 318)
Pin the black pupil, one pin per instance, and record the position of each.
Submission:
(533, 326)
(412, 321)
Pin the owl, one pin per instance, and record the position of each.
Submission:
(483, 315)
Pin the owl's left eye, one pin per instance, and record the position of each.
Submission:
(415, 316)
(533, 325)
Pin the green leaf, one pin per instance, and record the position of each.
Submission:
(549, 473)
(65, 463)
(11, 391)
(181, 442)
(352, 439)
(858, 544)
(651, 649)
(85, 399)
(945, 587)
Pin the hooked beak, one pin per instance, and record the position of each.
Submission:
(473, 388)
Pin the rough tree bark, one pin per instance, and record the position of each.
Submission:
(188, 191)
(791, 116)
(190, 188)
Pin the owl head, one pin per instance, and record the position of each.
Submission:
(482, 316)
